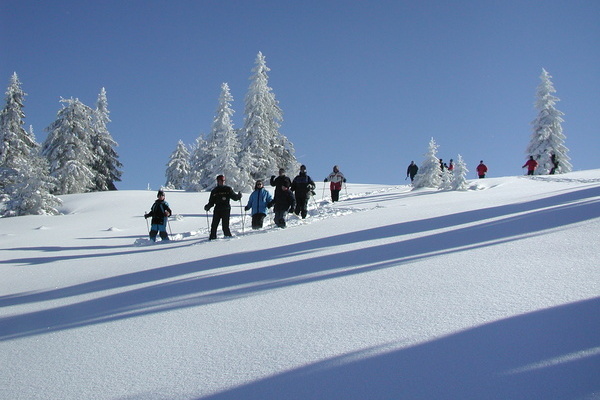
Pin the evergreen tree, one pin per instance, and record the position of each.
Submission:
(429, 174)
(68, 148)
(223, 147)
(265, 149)
(24, 181)
(178, 167)
(106, 165)
(459, 175)
(197, 161)
(547, 139)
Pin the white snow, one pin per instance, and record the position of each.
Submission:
(490, 293)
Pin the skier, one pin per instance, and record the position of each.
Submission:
(442, 165)
(279, 181)
(481, 170)
(160, 212)
(283, 202)
(336, 178)
(259, 201)
(302, 186)
(451, 165)
(412, 171)
(220, 197)
(531, 165)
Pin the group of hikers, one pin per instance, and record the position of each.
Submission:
(482, 169)
(291, 196)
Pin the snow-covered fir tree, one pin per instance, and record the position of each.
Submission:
(223, 147)
(178, 167)
(24, 181)
(547, 140)
(459, 175)
(106, 165)
(193, 182)
(429, 174)
(265, 149)
(68, 148)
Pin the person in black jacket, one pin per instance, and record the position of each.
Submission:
(279, 181)
(412, 171)
(303, 187)
(284, 202)
(220, 197)
(160, 212)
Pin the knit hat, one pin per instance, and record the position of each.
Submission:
(160, 193)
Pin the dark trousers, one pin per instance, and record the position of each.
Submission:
(301, 205)
(335, 195)
(257, 220)
(220, 216)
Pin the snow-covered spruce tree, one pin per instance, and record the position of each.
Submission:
(24, 181)
(193, 182)
(547, 139)
(459, 175)
(429, 174)
(178, 167)
(224, 148)
(265, 149)
(68, 148)
(106, 165)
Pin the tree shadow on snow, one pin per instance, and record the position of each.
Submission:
(547, 354)
(209, 285)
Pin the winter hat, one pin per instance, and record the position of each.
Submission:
(282, 170)
(160, 193)
(303, 168)
(221, 178)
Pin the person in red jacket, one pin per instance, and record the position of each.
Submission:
(481, 170)
(531, 165)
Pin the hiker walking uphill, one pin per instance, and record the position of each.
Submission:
(219, 198)
(336, 178)
(412, 171)
(481, 170)
(302, 186)
(160, 212)
(531, 165)
(283, 202)
(259, 202)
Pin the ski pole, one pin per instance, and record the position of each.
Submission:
(207, 222)
(323, 195)
(147, 225)
(169, 225)
(241, 213)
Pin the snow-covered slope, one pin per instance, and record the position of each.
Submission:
(492, 293)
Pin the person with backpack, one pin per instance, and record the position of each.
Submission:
(531, 165)
(283, 203)
(336, 178)
(302, 186)
(259, 202)
(412, 171)
(481, 170)
(219, 198)
(160, 212)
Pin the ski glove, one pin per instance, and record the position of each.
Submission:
(207, 207)
(147, 216)
(270, 204)
(291, 210)
(247, 208)
(344, 180)
(325, 180)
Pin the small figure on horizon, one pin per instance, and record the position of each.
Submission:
(160, 212)
(412, 171)
(336, 178)
(481, 170)
(531, 165)
(451, 165)
(554, 164)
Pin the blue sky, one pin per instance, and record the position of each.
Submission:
(364, 85)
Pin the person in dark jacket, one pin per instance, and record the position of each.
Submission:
(279, 181)
(219, 198)
(412, 171)
(259, 201)
(160, 212)
(303, 187)
(283, 202)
